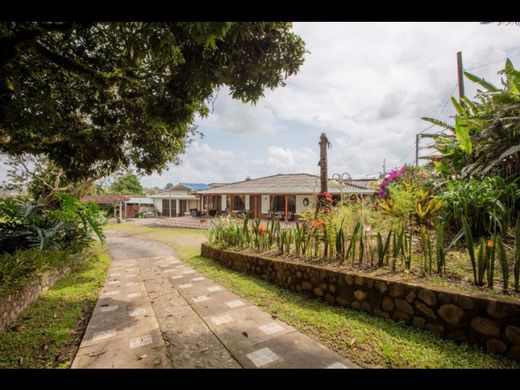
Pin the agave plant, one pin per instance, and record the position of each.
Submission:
(516, 270)
(504, 265)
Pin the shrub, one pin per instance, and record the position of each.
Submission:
(19, 267)
(67, 225)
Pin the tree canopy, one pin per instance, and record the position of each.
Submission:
(127, 184)
(98, 97)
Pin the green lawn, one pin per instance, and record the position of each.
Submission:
(365, 339)
(48, 333)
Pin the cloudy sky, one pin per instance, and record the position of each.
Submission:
(364, 84)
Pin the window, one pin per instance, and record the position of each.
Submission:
(239, 202)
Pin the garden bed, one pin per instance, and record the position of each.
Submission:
(491, 322)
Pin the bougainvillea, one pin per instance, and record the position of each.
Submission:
(389, 178)
(326, 201)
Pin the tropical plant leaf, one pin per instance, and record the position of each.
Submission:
(486, 84)
(462, 134)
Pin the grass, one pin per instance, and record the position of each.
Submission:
(47, 333)
(367, 340)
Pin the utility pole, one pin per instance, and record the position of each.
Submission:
(460, 72)
(324, 143)
(417, 150)
(384, 166)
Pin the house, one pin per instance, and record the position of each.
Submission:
(116, 202)
(138, 204)
(282, 194)
(178, 200)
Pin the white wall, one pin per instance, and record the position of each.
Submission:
(223, 203)
(265, 204)
(157, 202)
(300, 208)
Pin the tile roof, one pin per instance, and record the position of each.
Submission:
(297, 183)
(105, 198)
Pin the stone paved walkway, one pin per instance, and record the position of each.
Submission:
(155, 311)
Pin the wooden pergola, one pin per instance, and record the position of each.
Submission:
(117, 202)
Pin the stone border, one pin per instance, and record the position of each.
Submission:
(492, 323)
(14, 303)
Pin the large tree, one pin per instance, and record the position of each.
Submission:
(94, 98)
(127, 184)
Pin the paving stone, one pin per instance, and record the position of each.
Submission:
(234, 304)
(140, 341)
(271, 328)
(222, 319)
(263, 357)
(293, 350)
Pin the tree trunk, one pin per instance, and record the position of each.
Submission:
(324, 142)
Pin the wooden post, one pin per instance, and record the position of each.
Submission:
(286, 208)
(416, 150)
(460, 73)
(324, 142)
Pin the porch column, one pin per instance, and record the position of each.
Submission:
(255, 201)
(177, 207)
(121, 211)
(170, 209)
(286, 207)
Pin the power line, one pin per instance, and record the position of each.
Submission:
(493, 62)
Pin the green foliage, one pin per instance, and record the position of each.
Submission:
(126, 184)
(485, 140)
(469, 246)
(440, 230)
(69, 224)
(20, 266)
(516, 268)
(504, 264)
(97, 97)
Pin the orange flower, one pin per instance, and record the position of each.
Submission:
(262, 230)
(316, 223)
(490, 244)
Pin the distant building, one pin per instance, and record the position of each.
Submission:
(284, 195)
(179, 200)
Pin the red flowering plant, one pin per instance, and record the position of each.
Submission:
(325, 201)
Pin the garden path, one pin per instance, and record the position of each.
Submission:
(155, 311)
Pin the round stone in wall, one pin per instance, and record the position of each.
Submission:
(513, 334)
(485, 326)
(496, 346)
(428, 297)
(451, 314)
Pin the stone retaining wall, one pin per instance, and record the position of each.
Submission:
(493, 323)
(12, 305)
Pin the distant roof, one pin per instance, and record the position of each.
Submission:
(195, 186)
(214, 185)
(105, 198)
(295, 183)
